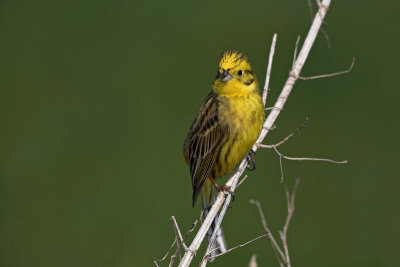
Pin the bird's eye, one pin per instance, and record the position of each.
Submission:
(240, 72)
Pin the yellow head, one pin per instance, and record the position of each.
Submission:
(235, 76)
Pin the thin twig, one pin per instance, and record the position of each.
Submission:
(175, 223)
(290, 198)
(309, 159)
(217, 226)
(281, 166)
(166, 254)
(269, 122)
(177, 237)
(324, 33)
(191, 229)
(273, 127)
(275, 247)
(330, 74)
(295, 50)
(290, 158)
(241, 181)
(238, 246)
(287, 137)
(310, 9)
(178, 243)
(172, 260)
(326, 36)
(253, 261)
(268, 76)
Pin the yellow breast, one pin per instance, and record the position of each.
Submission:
(244, 115)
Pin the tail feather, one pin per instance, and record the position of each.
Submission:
(209, 196)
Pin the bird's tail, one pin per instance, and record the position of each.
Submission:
(208, 198)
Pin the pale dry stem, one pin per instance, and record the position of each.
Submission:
(296, 47)
(287, 137)
(309, 159)
(275, 247)
(178, 241)
(268, 75)
(290, 198)
(166, 254)
(274, 147)
(253, 261)
(322, 30)
(330, 74)
(208, 256)
(241, 181)
(282, 255)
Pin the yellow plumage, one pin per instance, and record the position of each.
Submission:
(224, 130)
(226, 126)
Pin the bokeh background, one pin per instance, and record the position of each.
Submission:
(96, 98)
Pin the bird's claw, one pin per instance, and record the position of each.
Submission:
(226, 189)
(251, 161)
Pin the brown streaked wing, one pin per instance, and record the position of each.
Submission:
(204, 140)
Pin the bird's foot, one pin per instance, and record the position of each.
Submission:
(251, 161)
(222, 188)
(226, 189)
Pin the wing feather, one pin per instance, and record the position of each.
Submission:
(203, 142)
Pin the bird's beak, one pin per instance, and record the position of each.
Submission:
(225, 76)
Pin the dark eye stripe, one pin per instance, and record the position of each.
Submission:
(249, 82)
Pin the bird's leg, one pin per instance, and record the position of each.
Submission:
(251, 161)
(225, 188)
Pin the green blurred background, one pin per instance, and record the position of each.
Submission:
(96, 99)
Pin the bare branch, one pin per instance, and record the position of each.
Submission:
(176, 227)
(172, 261)
(217, 226)
(178, 241)
(275, 247)
(191, 229)
(330, 74)
(281, 166)
(290, 158)
(253, 261)
(241, 181)
(166, 254)
(238, 246)
(310, 9)
(290, 198)
(309, 159)
(282, 256)
(269, 128)
(324, 33)
(287, 137)
(295, 50)
(268, 76)
(177, 234)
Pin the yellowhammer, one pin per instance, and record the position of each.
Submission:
(224, 130)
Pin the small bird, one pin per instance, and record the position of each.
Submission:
(224, 130)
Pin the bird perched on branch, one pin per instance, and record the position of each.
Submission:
(224, 130)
